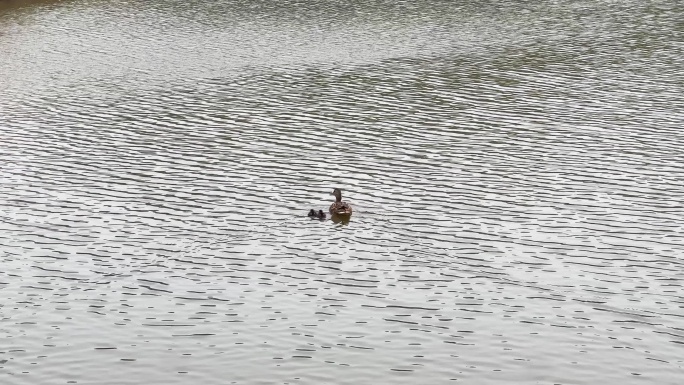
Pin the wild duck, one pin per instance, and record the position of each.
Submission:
(338, 207)
(319, 215)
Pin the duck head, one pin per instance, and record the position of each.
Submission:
(338, 195)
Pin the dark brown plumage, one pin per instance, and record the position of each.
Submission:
(339, 207)
(316, 215)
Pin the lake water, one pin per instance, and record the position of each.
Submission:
(516, 172)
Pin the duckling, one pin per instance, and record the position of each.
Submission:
(321, 214)
(338, 207)
(312, 213)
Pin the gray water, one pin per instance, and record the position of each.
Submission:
(515, 170)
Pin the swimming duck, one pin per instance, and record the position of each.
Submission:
(313, 214)
(339, 207)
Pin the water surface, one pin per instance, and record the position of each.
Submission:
(515, 171)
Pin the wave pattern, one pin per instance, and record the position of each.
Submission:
(517, 193)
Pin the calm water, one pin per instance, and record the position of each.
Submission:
(516, 171)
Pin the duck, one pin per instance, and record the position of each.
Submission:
(339, 208)
(319, 215)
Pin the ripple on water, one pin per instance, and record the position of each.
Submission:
(516, 192)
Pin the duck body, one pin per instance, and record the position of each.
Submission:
(339, 208)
